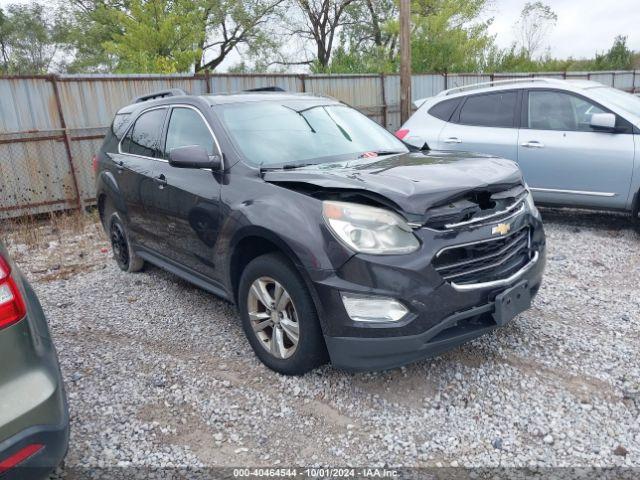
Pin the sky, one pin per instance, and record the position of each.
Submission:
(584, 26)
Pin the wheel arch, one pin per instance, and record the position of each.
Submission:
(107, 189)
(256, 241)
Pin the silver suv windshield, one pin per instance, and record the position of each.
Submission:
(272, 134)
(623, 100)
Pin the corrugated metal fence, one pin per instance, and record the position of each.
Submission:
(51, 126)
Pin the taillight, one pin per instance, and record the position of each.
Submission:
(12, 307)
(95, 163)
(402, 133)
(19, 457)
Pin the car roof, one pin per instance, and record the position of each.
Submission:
(228, 98)
(519, 83)
(510, 84)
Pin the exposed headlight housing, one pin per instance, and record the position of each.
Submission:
(373, 309)
(368, 229)
(530, 203)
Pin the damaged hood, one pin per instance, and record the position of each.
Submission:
(414, 182)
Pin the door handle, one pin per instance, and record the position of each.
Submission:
(120, 166)
(160, 180)
(532, 144)
(453, 140)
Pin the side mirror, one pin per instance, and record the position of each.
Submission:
(603, 122)
(193, 156)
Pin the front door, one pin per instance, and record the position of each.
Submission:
(564, 161)
(189, 199)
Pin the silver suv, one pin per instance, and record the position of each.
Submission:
(575, 141)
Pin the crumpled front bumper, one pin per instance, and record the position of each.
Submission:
(441, 316)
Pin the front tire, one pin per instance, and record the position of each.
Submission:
(123, 253)
(279, 317)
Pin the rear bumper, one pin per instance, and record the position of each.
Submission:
(33, 406)
(54, 440)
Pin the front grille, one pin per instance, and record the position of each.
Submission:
(485, 261)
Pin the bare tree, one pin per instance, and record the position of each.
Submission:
(319, 22)
(229, 24)
(536, 22)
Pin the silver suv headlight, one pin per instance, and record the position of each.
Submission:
(369, 229)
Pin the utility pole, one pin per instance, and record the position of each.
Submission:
(405, 60)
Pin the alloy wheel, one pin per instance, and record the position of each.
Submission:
(273, 317)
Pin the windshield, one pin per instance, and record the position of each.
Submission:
(618, 98)
(273, 134)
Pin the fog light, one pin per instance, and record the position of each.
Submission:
(366, 308)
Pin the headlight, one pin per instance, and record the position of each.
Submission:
(368, 229)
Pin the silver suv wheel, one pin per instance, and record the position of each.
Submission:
(273, 317)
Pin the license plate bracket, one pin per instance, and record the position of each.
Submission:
(511, 302)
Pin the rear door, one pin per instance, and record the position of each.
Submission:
(188, 200)
(136, 163)
(564, 161)
(485, 123)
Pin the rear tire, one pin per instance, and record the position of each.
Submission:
(124, 255)
(279, 317)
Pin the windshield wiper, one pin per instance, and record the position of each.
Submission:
(286, 166)
(381, 153)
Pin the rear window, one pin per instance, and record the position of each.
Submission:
(489, 110)
(444, 110)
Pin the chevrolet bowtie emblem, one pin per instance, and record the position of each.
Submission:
(501, 229)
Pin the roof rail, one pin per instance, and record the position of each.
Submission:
(498, 82)
(266, 89)
(174, 92)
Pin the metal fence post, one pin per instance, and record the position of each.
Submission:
(67, 142)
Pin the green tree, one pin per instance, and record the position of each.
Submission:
(167, 35)
(447, 35)
(618, 57)
(29, 39)
(156, 36)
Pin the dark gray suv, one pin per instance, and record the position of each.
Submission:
(335, 240)
(34, 420)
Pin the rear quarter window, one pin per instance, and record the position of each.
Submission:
(444, 110)
(119, 125)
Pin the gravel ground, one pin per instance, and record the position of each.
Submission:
(159, 373)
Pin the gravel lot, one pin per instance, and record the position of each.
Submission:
(159, 373)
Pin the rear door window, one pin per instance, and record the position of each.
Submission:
(490, 109)
(144, 138)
